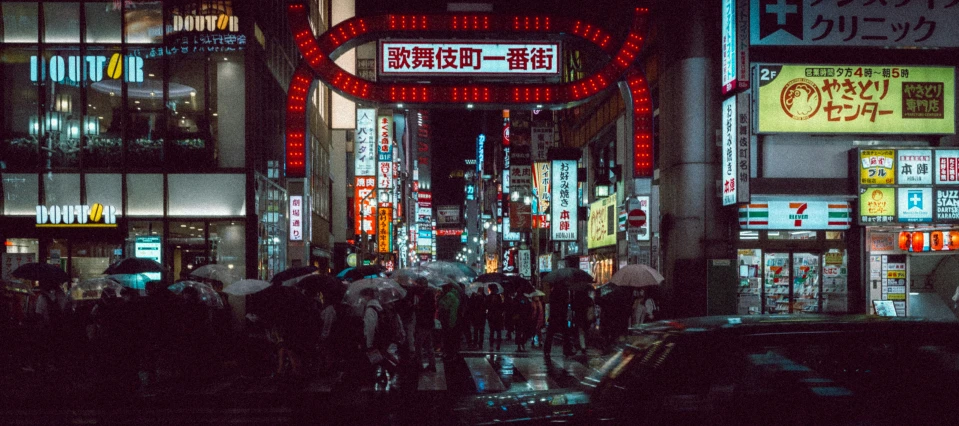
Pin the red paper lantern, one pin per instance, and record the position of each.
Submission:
(953, 240)
(935, 240)
(904, 239)
(917, 241)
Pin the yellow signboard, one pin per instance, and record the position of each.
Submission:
(384, 230)
(602, 227)
(856, 99)
(877, 167)
(895, 275)
(877, 205)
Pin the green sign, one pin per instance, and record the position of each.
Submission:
(855, 99)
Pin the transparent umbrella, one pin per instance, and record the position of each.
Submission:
(92, 288)
(246, 287)
(454, 271)
(386, 290)
(221, 273)
(208, 295)
(476, 286)
(407, 276)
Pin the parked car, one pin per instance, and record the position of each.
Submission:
(783, 370)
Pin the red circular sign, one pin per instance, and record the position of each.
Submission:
(636, 217)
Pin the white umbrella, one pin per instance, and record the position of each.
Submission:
(637, 276)
(220, 273)
(386, 290)
(245, 287)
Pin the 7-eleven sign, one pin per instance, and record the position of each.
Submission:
(791, 215)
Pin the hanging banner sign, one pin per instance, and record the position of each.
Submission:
(541, 187)
(365, 199)
(384, 175)
(947, 162)
(564, 205)
(601, 227)
(735, 45)
(384, 230)
(735, 156)
(855, 99)
(915, 205)
(423, 58)
(914, 166)
(384, 138)
(296, 218)
(541, 139)
(877, 205)
(364, 144)
(848, 23)
(796, 215)
(877, 167)
(525, 261)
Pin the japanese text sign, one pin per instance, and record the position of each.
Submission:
(877, 167)
(601, 229)
(947, 205)
(794, 215)
(947, 163)
(914, 166)
(384, 230)
(735, 45)
(296, 218)
(564, 205)
(848, 23)
(735, 155)
(364, 144)
(856, 99)
(877, 205)
(408, 58)
(541, 187)
(384, 174)
(365, 199)
(384, 137)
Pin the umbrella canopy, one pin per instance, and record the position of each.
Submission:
(387, 290)
(92, 288)
(245, 287)
(133, 265)
(221, 273)
(476, 286)
(47, 274)
(518, 284)
(407, 276)
(536, 293)
(208, 295)
(292, 273)
(360, 272)
(637, 276)
(493, 277)
(568, 276)
(453, 271)
(316, 283)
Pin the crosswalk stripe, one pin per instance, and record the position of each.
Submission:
(535, 372)
(430, 381)
(484, 375)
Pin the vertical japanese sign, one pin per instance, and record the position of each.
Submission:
(364, 143)
(914, 166)
(384, 151)
(735, 45)
(525, 264)
(729, 151)
(384, 230)
(541, 140)
(879, 99)
(480, 154)
(365, 197)
(947, 162)
(541, 187)
(877, 167)
(564, 220)
(296, 218)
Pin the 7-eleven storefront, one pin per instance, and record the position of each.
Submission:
(792, 256)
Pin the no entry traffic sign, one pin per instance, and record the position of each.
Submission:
(636, 217)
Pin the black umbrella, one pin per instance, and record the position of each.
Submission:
(520, 284)
(47, 274)
(493, 277)
(363, 271)
(133, 265)
(573, 278)
(317, 283)
(294, 272)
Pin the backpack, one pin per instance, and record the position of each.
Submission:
(388, 328)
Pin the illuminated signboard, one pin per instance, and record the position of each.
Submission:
(856, 99)
(93, 68)
(796, 215)
(384, 137)
(365, 199)
(77, 216)
(735, 45)
(847, 23)
(449, 232)
(148, 247)
(564, 206)
(735, 156)
(947, 205)
(877, 167)
(411, 58)
(296, 218)
(914, 166)
(384, 232)
(915, 204)
(602, 226)
(364, 144)
(877, 205)
(541, 188)
(205, 23)
(947, 166)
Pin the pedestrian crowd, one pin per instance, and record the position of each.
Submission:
(129, 342)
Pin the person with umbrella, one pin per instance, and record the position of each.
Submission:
(538, 317)
(52, 309)
(557, 321)
(449, 305)
(476, 317)
(424, 308)
(495, 316)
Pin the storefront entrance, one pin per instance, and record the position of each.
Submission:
(792, 281)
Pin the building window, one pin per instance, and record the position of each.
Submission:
(20, 23)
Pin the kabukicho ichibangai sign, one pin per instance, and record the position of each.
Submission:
(886, 99)
(419, 57)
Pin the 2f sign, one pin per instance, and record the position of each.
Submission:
(767, 74)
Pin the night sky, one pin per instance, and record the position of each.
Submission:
(454, 141)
